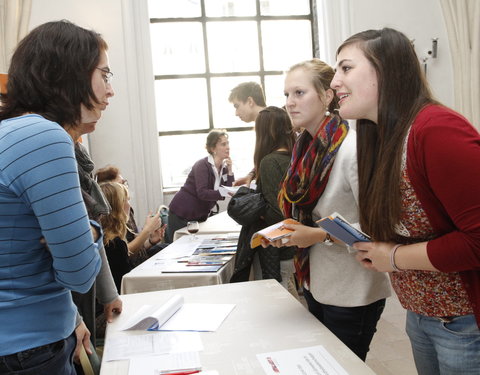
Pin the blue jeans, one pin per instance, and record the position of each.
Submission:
(354, 326)
(50, 359)
(444, 347)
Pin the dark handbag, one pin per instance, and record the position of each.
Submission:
(246, 206)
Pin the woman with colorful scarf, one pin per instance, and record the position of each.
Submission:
(322, 179)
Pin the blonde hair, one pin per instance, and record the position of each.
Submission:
(114, 224)
(321, 75)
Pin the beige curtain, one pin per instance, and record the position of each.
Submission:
(14, 20)
(462, 18)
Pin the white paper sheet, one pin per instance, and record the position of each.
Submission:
(174, 315)
(130, 346)
(198, 317)
(157, 365)
(314, 360)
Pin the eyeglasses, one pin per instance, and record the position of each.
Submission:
(108, 76)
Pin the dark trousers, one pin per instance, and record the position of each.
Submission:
(174, 223)
(55, 358)
(354, 326)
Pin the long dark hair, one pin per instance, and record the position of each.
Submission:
(273, 130)
(402, 92)
(51, 72)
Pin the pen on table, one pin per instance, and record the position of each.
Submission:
(181, 373)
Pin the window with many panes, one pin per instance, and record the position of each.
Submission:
(201, 49)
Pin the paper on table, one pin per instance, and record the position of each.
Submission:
(129, 346)
(314, 360)
(157, 365)
(204, 317)
(174, 315)
(185, 268)
(149, 315)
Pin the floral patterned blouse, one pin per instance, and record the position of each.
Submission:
(425, 292)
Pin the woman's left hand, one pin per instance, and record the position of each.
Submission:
(374, 255)
(113, 308)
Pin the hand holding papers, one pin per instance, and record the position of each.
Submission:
(272, 233)
(227, 191)
(174, 315)
(342, 230)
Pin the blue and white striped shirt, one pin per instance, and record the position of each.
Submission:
(40, 197)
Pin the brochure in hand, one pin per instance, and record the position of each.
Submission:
(342, 230)
(272, 233)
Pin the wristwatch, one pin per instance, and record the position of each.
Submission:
(328, 240)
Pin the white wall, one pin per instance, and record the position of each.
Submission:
(421, 20)
(127, 137)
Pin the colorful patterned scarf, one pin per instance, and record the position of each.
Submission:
(307, 177)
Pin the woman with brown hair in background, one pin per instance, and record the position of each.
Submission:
(273, 151)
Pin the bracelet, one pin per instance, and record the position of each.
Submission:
(150, 241)
(392, 258)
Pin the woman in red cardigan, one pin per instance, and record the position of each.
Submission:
(419, 194)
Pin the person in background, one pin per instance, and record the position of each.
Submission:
(322, 179)
(55, 80)
(115, 229)
(273, 151)
(141, 244)
(248, 100)
(419, 190)
(203, 187)
(104, 288)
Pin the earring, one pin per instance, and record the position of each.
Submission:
(327, 112)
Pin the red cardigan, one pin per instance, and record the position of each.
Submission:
(443, 163)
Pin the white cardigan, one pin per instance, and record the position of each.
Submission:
(336, 277)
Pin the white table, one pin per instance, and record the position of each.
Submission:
(266, 318)
(148, 276)
(220, 223)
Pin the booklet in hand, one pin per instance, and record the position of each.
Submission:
(342, 230)
(272, 233)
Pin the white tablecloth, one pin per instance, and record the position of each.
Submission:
(148, 276)
(266, 318)
(220, 223)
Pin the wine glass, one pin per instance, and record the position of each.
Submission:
(192, 228)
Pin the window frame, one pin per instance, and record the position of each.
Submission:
(208, 75)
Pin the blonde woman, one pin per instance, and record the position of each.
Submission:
(322, 179)
(115, 230)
